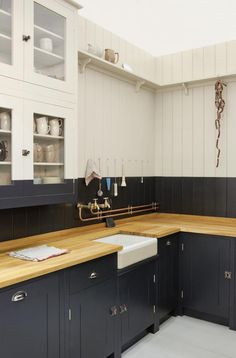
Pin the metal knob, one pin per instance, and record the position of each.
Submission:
(25, 152)
(93, 276)
(19, 296)
(26, 38)
(123, 308)
(113, 311)
(168, 243)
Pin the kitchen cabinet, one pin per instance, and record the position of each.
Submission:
(29, 325)
(37, 168)
(167, 276)
(137, 300)
(92, 309)
(206, 276)
(37, 42)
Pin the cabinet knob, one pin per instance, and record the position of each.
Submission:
(123, 308)
(93, 276)
(19, 296)
(113, 311)
(168, 243)
(25, 152)
(26, 38)
(228, 275)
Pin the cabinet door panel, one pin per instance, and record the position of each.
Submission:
(11, 44)
(205, 260)
(50, 53)
(30, 327)
(92, 327)
(137, 295)
(167, 276)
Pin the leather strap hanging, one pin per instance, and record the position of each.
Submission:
(220, 105)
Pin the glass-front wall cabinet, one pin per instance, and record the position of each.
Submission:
(5, 146)
(6, 32)
(48, 149)
(49, 42)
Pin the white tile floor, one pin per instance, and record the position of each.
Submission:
(185, 337)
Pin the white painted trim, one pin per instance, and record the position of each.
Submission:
(74, 3)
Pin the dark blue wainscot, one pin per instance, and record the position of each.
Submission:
(26, 193)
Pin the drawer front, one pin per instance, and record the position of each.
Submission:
(92, 273)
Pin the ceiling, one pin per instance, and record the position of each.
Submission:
(165, 26)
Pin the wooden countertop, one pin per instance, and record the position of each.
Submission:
(82, 247)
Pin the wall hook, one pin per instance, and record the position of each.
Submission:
(185, 88)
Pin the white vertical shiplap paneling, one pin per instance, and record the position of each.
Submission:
(231, 130)
(177, 67)
(82, 33)
(158, 70)
(210, 132)
(177, 132)
(231, 57)
(187, 155)
(209, 66)
(115, 122)
(158, 134)
(167, 69)
(185, 133)
(167, 134)
(187, 57)
(198, 131)
(221, 59)
(197, 63)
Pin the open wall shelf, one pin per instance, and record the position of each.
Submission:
(87, 59)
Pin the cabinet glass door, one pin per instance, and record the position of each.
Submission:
(50, 54)
(49, 42)
(48, 149)
(5, 146)
(6, 32)
(11, 44)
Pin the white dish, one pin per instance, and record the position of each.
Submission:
(135, 248)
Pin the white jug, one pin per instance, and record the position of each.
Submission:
(42, 125)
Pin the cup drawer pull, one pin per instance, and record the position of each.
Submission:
(93, 276)
(19, 296)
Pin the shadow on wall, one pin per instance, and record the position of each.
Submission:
(22, 222)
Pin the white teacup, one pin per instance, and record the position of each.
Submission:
(5, 121)
(42, 125)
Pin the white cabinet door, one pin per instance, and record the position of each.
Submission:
(50, 56)
(49, 137)
(11, 44)
(11, 137)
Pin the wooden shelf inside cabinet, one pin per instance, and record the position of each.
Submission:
(46, 59)
(87, 59)
(47, 136)
(2, 131)
(48, 164)
(5, 163)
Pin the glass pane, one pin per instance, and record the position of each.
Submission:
(6, 31)
(5, 146)
(49, 42)
(48, 149)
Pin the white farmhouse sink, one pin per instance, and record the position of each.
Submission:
(135, 248)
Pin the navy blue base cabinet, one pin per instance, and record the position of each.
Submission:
(168, 276)
(137, 300)
(30, 320)
(91, 309)
(207, 277)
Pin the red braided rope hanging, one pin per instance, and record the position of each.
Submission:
(220, 105)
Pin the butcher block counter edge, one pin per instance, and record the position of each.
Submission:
(82, 248)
